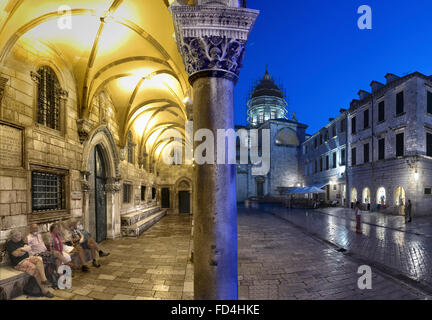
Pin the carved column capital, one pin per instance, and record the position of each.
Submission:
(3, 82)
(84, 127)
(113, 185)
(85, 185)
(212, 38)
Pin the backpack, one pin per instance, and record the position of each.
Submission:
(32, 289)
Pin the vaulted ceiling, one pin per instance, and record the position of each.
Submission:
(124, 47)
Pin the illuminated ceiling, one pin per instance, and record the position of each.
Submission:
(124, 47)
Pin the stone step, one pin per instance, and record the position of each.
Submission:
(138, 228)
(136, 216)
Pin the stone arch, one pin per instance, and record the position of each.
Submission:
(354, 195)
(381, 196)
(399, 196)
(287, 137)
(366, 196)
(102, 138)
(183, 185)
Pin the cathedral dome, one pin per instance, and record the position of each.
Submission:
(267, 87)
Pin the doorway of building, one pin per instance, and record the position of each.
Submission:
(99, 174)
(165, 198)
(184, 201)
(260, 189)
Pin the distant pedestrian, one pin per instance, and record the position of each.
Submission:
(357, 213)
(408, 211)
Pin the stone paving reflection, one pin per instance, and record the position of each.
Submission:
(279, 261)
(385, 239)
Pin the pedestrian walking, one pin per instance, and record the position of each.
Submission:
(408, 211)
(357, 213)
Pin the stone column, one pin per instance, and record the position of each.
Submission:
(211, 38)
(113, 188)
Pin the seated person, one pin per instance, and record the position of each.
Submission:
(23, 261)
(65, 250)
(39, 249)
(83, 239)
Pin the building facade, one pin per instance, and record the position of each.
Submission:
(390, 144)
(324, 159)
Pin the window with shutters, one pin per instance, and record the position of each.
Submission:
(327, 162)
(343, 157)
(400, 103)
(343, 125)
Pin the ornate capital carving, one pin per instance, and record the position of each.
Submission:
(3, 82)
(113, 185)
(84, 181)
(84, 129)
(212, 38)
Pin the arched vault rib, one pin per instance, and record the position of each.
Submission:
(163, 148)
(164, 127)
(154, 111)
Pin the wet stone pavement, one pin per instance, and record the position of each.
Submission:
(279, 261)
(276, 259)
(386, 241)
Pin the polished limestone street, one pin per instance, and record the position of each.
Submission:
(278, 259)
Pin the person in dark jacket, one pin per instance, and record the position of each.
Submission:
(408, 209)
(21, 260)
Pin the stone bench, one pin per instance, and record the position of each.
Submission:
(136, 229)
(138, 215)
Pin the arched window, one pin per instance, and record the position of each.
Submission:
(354, 195)
(399, 196)
(49, 97)
(287, 137)
(381, 196)
(366, 196)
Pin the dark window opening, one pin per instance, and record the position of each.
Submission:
(366, 153)
(353, 125)
(343, 125)
(381, 111)
(429, 102)
(366, 119)
(321, 164)
(400, 103)
(143, 193)
(343, 157)
(153, 193)
(48, 98)
(327, 162)
(127, 188)
(381, 149)
(353, 156)
(47, 191)
(428, 191)
(400, 145)
(429, 144)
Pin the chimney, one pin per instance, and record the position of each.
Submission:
(375, 85)
(331, 119)
(354, 102)
(391, 77)
(363, 94)
(342, 110)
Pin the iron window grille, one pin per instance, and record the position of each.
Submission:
(47, 191)
(49, 97)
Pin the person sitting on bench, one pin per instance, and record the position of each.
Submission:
(65, 250)
(84, 239)
(23, 261)
(39, 249)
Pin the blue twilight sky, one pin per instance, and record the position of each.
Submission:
(323, 59)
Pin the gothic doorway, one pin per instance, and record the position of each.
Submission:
(260, 189)
(165, 197)
(184, 202)
(98, 223)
